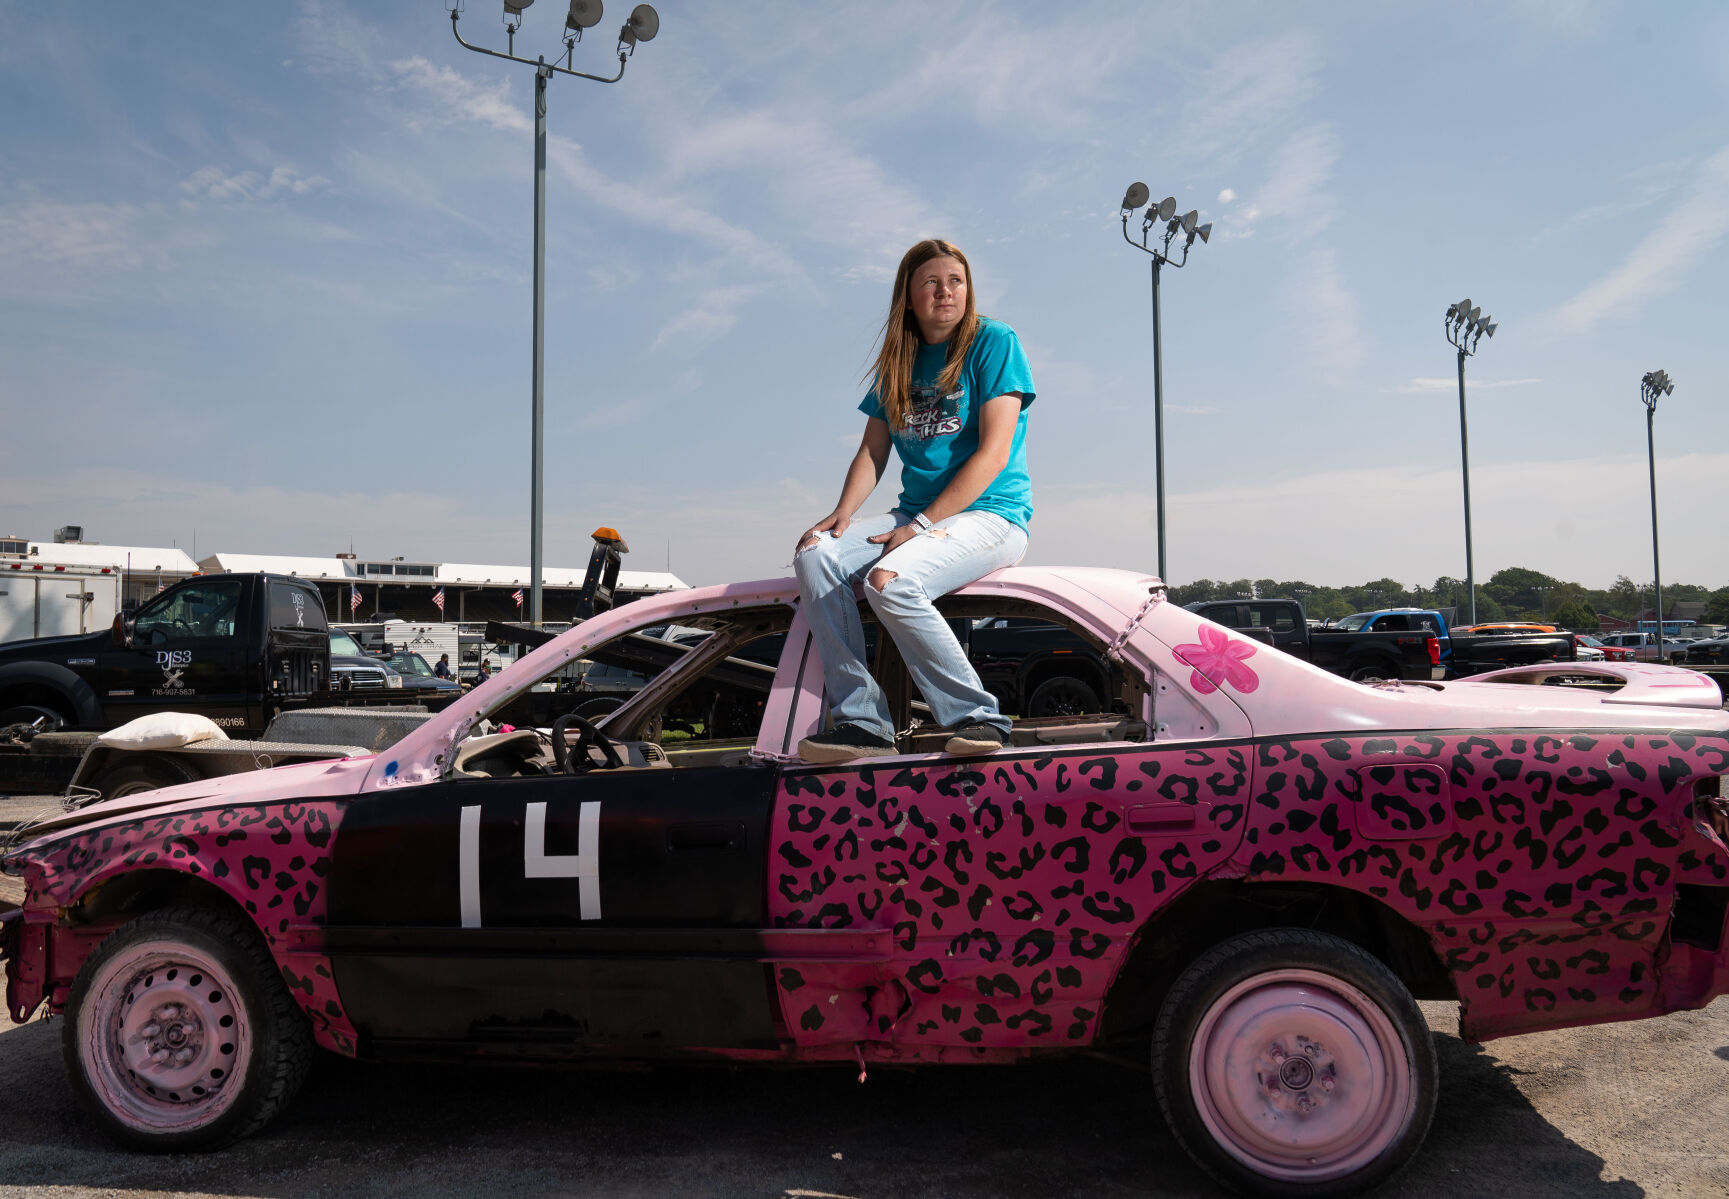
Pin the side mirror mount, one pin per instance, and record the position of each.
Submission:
(122, 631)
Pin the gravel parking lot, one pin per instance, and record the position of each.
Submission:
(1615, 1111)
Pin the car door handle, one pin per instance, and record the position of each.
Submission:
(1161, 817)
(723, 835)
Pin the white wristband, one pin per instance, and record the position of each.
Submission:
(922, 521)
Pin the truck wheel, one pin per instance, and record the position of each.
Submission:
(1292, 1063)
(29, 714)
(180, 1034)
(1373, 672)
(1062, 696)
(131, 778)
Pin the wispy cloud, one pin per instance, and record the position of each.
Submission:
(464, 99)
(714, 314)
(1332, 331)
(1656, 265)
(217, 184)
(1420, 386)
(76, 234)
(330, 39)
(1297, 176)
(1249, 94)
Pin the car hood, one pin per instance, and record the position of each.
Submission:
(297, 781)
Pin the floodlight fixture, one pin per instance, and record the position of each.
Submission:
(584, 14)
(1157, 246)
(643, 25)
(1466, 325)
(1654, 385)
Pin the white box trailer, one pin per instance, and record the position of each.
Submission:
(428, 639)
(48, 599)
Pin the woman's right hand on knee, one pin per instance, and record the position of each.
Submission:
(834, 524)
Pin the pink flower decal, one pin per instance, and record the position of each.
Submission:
(1218, 660)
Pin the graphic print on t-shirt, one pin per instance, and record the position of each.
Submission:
(931, 415)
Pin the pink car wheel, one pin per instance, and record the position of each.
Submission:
(180, 1033)
(1290, 1062)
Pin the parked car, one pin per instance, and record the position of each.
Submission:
(418, 681)
(1366, 647)
(1709, 651)
(1644, 646)
(1609, 653)
(353, 669)
(1255, 868)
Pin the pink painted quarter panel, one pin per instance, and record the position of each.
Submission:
(1541, 867)
(1013, 886)
(271, 859)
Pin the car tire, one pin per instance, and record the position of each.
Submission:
(1293, 1063)
(29, 714)
(1064, 695)
(180, 1033)
(135, 777)
(1374, 672)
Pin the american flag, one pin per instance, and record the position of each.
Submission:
(353, 598)
(517, 596)
(438, 598)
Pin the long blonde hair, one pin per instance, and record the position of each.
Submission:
(899, 346)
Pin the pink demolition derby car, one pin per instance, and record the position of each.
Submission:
(1243, 862)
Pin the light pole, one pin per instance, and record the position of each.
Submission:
(1466, 326)
(643, 24)
(1653, 385)
(1164, 212)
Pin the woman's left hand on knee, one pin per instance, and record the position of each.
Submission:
(895, 538)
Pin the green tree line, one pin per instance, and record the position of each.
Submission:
(1511, 594)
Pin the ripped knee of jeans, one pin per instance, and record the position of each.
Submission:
(879, 579)
(811, 542)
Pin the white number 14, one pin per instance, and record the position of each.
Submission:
(583, 865)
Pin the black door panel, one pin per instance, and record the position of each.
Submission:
(437, 891)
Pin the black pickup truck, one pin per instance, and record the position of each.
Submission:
(1395, 643)
(1410, 651)
(237, 648)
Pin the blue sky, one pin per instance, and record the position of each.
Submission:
(265, 275)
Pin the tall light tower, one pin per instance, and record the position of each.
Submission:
(1163, 213)
(1466, 326)
(643, 24)
(1653, 385)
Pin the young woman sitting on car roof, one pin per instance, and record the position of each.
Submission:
(951, 394)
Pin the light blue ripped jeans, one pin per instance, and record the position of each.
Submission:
(950, 555)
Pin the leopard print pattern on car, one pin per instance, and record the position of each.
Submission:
(1011, 885)
(272, 860)
(1542, 867)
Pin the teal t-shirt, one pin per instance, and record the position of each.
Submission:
(942, 431)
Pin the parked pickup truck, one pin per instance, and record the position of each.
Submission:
(1365, 652)
(237, 648)
(1644, 646)
(1464, 653)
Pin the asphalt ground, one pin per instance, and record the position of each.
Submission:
(1611, 1112)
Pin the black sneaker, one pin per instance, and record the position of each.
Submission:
(844, 743)
(976, 738)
